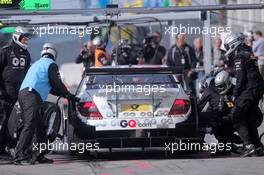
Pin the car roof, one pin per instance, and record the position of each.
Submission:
(128, 66)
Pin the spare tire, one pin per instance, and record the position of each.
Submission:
(51, 121)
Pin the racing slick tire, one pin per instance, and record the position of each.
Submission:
(77, 131)
(52, 116)
(71, 137)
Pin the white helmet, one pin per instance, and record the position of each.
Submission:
(19, 33)
(48, 48)
(232, 42)
(223, 82)
(98, 41)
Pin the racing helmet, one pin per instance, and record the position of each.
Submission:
(19, 33)
(98, 41)
(223, 82)
(49, 49)
(232, 42)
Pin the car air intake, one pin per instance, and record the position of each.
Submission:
(180, 106)
(89, 109)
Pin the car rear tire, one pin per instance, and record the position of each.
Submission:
(49, 109)
(75, 132)
(71, 138)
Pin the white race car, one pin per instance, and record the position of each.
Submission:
(132, 106)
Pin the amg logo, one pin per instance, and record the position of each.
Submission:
(2, 2)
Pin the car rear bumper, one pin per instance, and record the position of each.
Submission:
(150, 142)
(144, 137)
(136, 123)
(185, 131)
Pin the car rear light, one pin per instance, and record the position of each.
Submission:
(89, 109)
(180, 106)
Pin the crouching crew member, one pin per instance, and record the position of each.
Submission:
(217, 93)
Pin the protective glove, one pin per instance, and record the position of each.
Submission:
(72, 97)
(77, 99)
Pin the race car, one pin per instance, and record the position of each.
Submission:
(132, 106)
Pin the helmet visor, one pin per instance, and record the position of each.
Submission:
(221, 88)
(26, 35)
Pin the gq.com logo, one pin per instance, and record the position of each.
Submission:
(133, 124)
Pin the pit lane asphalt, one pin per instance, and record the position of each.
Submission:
(137, 162)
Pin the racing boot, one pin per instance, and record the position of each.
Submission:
(259, 152)
(249, 151)
(11, 153)
(20, 160)
(40, 158)
(43, 159)
(237, 149)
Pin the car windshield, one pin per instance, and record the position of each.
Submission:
(131, 79)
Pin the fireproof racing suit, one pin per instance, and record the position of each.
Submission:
(14, 63)
(219, 106)
(247, 92)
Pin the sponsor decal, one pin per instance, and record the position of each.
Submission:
(19, 62)
(134, 123)
(148, 114)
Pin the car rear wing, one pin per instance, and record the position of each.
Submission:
(133, 70)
